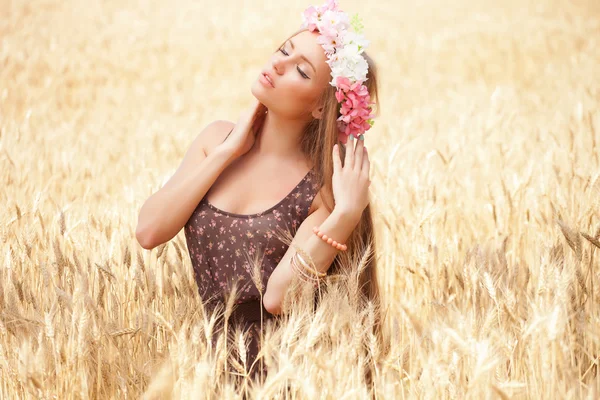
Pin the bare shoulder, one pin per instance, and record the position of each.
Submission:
(209, 137)
(215, 133)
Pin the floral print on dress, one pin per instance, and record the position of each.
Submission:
(217, 242)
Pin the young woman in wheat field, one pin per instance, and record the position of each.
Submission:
(294, 162)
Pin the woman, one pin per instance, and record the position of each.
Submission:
(290, 163)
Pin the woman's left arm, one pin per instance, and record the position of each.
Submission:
(351, 193)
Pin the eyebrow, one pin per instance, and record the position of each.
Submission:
(304, 58)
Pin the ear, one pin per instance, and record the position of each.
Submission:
(317, 113)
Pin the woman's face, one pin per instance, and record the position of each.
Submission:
(299, 73)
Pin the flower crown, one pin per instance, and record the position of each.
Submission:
(343, 42)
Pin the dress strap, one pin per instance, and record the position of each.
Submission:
(306, 192)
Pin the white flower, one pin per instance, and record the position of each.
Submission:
(334, 21)
(350, 37)
(342, 43)
(348, 62)
(329, 43)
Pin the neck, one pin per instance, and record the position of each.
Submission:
(279, 138)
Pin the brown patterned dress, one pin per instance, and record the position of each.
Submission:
(217, 240)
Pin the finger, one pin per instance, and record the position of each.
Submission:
(256, 118)
(349, 161)
(254, 113)
(260, 115)
(254, 108)
(359, 153)
(366, 164)
(255, 105)
(248, 117)
(337, 162)
(255, 126)
(258, 122)
(260, 109)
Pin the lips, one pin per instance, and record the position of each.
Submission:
(269, 78)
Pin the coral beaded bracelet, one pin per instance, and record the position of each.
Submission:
(329, 240)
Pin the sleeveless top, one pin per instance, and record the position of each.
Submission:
(219, 243)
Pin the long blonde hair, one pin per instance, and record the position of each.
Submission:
(317, 144)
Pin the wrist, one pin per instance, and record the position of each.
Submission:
(350, 216)
(226, 151)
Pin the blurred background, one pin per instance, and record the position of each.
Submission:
(485, 164)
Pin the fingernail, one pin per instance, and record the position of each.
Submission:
(362, 137)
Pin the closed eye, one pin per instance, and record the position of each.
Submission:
(298, 68)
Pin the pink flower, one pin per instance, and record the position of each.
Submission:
(342, 137)
(329, 42)
(342, 40)
(311, 16)
(331, 5)
(355, 107)
(343, 83)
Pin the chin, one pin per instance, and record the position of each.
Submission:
(258, 92)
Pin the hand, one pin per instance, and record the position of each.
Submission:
(351, 182)
(242, 138)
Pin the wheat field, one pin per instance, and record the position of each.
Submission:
(485, 168)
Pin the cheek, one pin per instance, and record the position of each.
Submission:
(300, 92)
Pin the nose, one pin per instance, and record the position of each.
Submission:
(277, 65)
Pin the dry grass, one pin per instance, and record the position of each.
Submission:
(485, 170)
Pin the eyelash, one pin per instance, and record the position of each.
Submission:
(298, 68)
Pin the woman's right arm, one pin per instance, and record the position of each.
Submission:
(165, 212)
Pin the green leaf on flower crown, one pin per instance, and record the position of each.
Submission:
(356, 23)
(371, 122)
